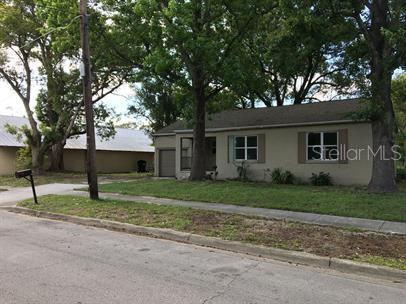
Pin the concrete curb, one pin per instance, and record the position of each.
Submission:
(295, 257)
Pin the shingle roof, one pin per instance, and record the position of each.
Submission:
(313, 113)
(125, 139)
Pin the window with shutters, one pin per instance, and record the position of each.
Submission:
(246, 148)
(322, 146)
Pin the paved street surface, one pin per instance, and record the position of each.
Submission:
(15, 195)
(43, 261)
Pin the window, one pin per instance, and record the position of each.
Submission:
(322, 146)
(246, 148)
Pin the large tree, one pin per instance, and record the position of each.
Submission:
(45, 34)
(19, 34)
(194, 44)
(63, 108)
(381, 46)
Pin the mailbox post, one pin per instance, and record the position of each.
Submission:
(27, 174)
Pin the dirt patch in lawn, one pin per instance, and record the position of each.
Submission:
(320, 240)
(328, 241)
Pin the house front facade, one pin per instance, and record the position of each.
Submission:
(303, 139)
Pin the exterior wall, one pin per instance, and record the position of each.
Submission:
(281, 151)
(164, 142)
(7, 160)
(107, 161)
(74, 160)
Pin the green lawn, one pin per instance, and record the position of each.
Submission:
(65, 177)
(343, 201)
(375, 248)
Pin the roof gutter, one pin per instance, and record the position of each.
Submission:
(213, 130)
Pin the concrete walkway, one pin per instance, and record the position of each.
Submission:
(312, 218)
(14, 195)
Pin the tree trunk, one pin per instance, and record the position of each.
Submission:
(383, 126)
(57, 163)
(383, 167)
(198, 171)
(37, 158)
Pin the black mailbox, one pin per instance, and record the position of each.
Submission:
(23, 173)
(27, 174)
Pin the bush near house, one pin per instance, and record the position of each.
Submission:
(282, 177)
(401, 174)
(321, 179)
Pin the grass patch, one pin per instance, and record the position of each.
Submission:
(66, 178)
(320, 240)
(383, 261)
(334, 200)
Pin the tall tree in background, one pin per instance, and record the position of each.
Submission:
(297, 52)
(156, 102)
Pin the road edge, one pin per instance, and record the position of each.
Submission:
(294, 257)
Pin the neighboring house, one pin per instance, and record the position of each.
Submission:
(117, 154)
(304, 139)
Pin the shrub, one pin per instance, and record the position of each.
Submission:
(242, 171)
(401, 173)
(279, 176)
(23, 158)
(321, 179)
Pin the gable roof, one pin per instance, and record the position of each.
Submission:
(293, 115)
(124, 140)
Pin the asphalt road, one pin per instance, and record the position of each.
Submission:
(43, 261)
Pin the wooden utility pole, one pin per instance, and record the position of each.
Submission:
(87, 99)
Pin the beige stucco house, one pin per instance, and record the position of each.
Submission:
(117, 154)
(304, 139)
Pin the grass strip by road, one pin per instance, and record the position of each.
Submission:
(66, 178)
(341, 201)
(374, 248)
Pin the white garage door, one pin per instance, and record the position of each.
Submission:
(167, 163)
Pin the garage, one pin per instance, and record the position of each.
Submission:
(167, 163)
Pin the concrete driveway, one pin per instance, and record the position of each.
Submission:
(43, 261)
(15, 195)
